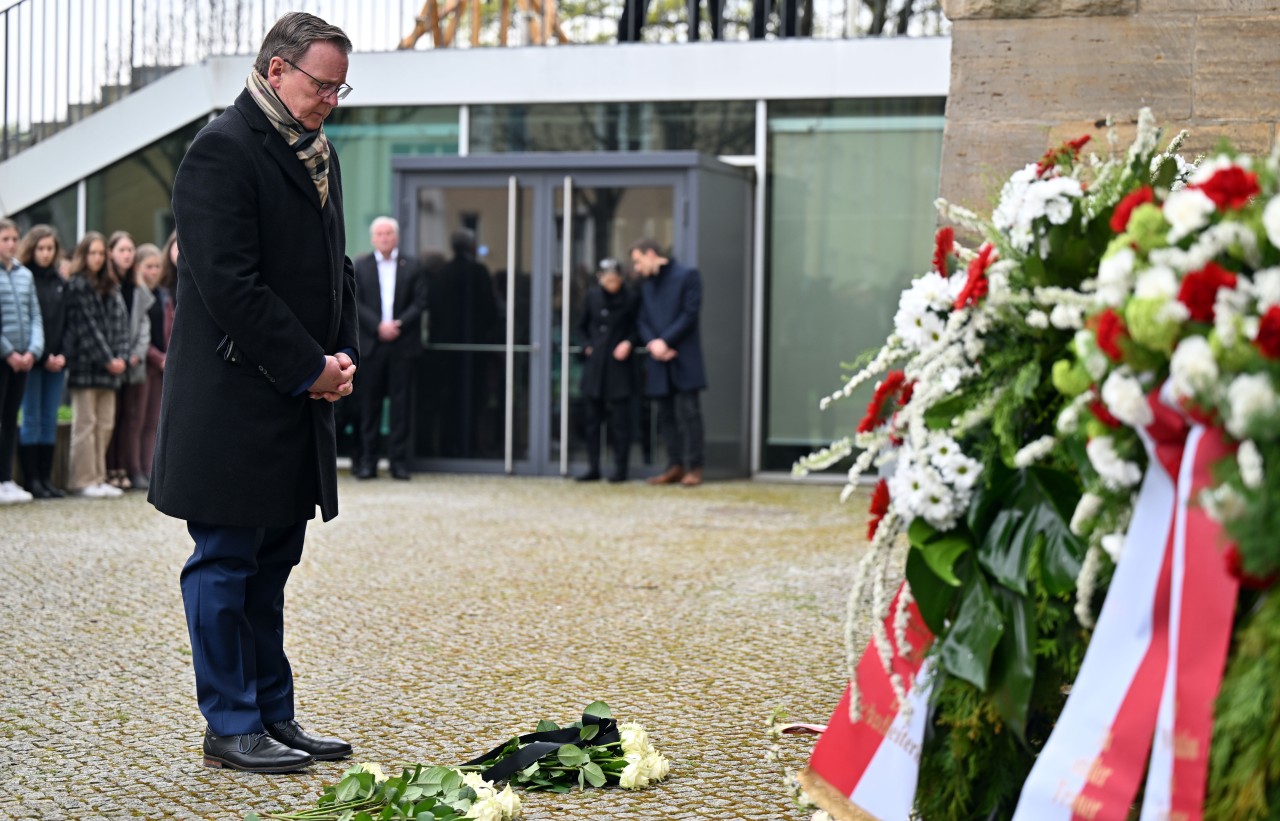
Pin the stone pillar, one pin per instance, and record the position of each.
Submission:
(1028, 74)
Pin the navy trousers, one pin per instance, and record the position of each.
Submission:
(233, 592)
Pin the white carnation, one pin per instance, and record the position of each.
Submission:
(1069, 419)
(1187, 211)
(1115, 277)
(1037, 319)
(1192, 370)
(1116, 473)
(1066, 317)
(1271, 221)
(1250, 461)
(1266, 286)
(1250, 398)
(1156, 282)
(1125, 398)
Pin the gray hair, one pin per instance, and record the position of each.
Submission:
(293, 34)
(392, 221)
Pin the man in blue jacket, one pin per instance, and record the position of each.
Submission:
(671, 298)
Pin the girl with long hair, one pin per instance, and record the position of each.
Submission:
(40, 252)
(124, 468)
(96, 343)
(21, 344)
(153, 267)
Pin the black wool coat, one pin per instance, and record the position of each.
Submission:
(264, 266)
(606, 320)
(670, 302)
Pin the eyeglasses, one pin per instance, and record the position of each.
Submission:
(324, 89)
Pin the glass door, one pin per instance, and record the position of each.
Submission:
(608, 212)
(472, 385)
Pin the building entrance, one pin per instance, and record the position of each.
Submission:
(497, 386)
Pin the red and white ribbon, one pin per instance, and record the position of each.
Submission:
(875, 761)
(1145, 655)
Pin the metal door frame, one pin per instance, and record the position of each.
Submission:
(540, 176)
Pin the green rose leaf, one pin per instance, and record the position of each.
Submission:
(588, 732)
(595, 775)
(598, 709)
(572, 756)
(1013, 667)
(966, 651)
(348, 788)
(545, 726)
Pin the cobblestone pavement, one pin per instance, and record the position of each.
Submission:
(430, 621)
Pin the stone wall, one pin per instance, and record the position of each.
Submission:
(1027, 74)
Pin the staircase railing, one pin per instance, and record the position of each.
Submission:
(65, 59)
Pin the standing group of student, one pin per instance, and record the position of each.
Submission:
(96, 326)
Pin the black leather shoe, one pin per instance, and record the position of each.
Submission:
(290, 733)
(365, 472)
(618, 477)
(589, 476)
(400, 473)
(253, 753)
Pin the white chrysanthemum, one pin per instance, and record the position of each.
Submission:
(1066, 317)
(940, 449)
(1115, 277)
(961, 472)
(1156, 282)
(918, 327)
(1116, 473)
(1087, 509)
(1187, 211)
(1113, 543)
(1250, 460)
(938, 504)
(1125, 398)
(1250, 398)
(1192, 370)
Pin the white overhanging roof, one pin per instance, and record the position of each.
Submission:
(755, 70)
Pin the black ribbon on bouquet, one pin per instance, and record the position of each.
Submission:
(537, 746)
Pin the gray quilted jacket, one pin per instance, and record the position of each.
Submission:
(21, 325)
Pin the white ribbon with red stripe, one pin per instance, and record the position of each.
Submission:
(875, 761)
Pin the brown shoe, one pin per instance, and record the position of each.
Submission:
(693, 478)
(672, 475)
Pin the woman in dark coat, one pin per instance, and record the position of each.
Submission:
(607, 330)
(39, 432)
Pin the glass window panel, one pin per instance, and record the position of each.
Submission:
(135, 193)
(366, 139)
(851, 185)
(58, 211)
(714, 128)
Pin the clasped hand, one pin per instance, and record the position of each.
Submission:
(20, 362)
(335, 380)
(661, 351)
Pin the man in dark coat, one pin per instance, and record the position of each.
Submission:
(671, 298)
(264, 339)
(606, 330)
(391, 294)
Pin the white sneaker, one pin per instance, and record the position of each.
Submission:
(109, 491)
(11, 494)
(90, 492)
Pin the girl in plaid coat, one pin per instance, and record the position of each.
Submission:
(97, 349)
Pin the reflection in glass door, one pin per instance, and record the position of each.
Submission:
(607, 216)
(472, 384)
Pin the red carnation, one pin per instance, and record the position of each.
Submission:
(879, 507)
(1103, 415)
(976, 285)
(1124, 210)
(1110, 330)
(878, 409)
(1230, 188)
(942, 243)
(907, 392)
(1200, 289)
(1068, 151)
(1268, 340)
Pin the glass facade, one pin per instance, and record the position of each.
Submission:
(58, 210)
(366, 139)
(135, 193)
(851, 217)
(714, 128)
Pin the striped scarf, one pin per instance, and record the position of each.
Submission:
(312, 147)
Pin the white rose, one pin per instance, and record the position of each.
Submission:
(1187, 211)
(483, 789)
(633, 777)
(1124, 397)
(487, 809)
(1249, 398)
(635, 739)
(656, 766)
(508, 802)
(373, 769)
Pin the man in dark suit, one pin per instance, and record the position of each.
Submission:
(391, 293)
(264, 339)
(671, 299)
